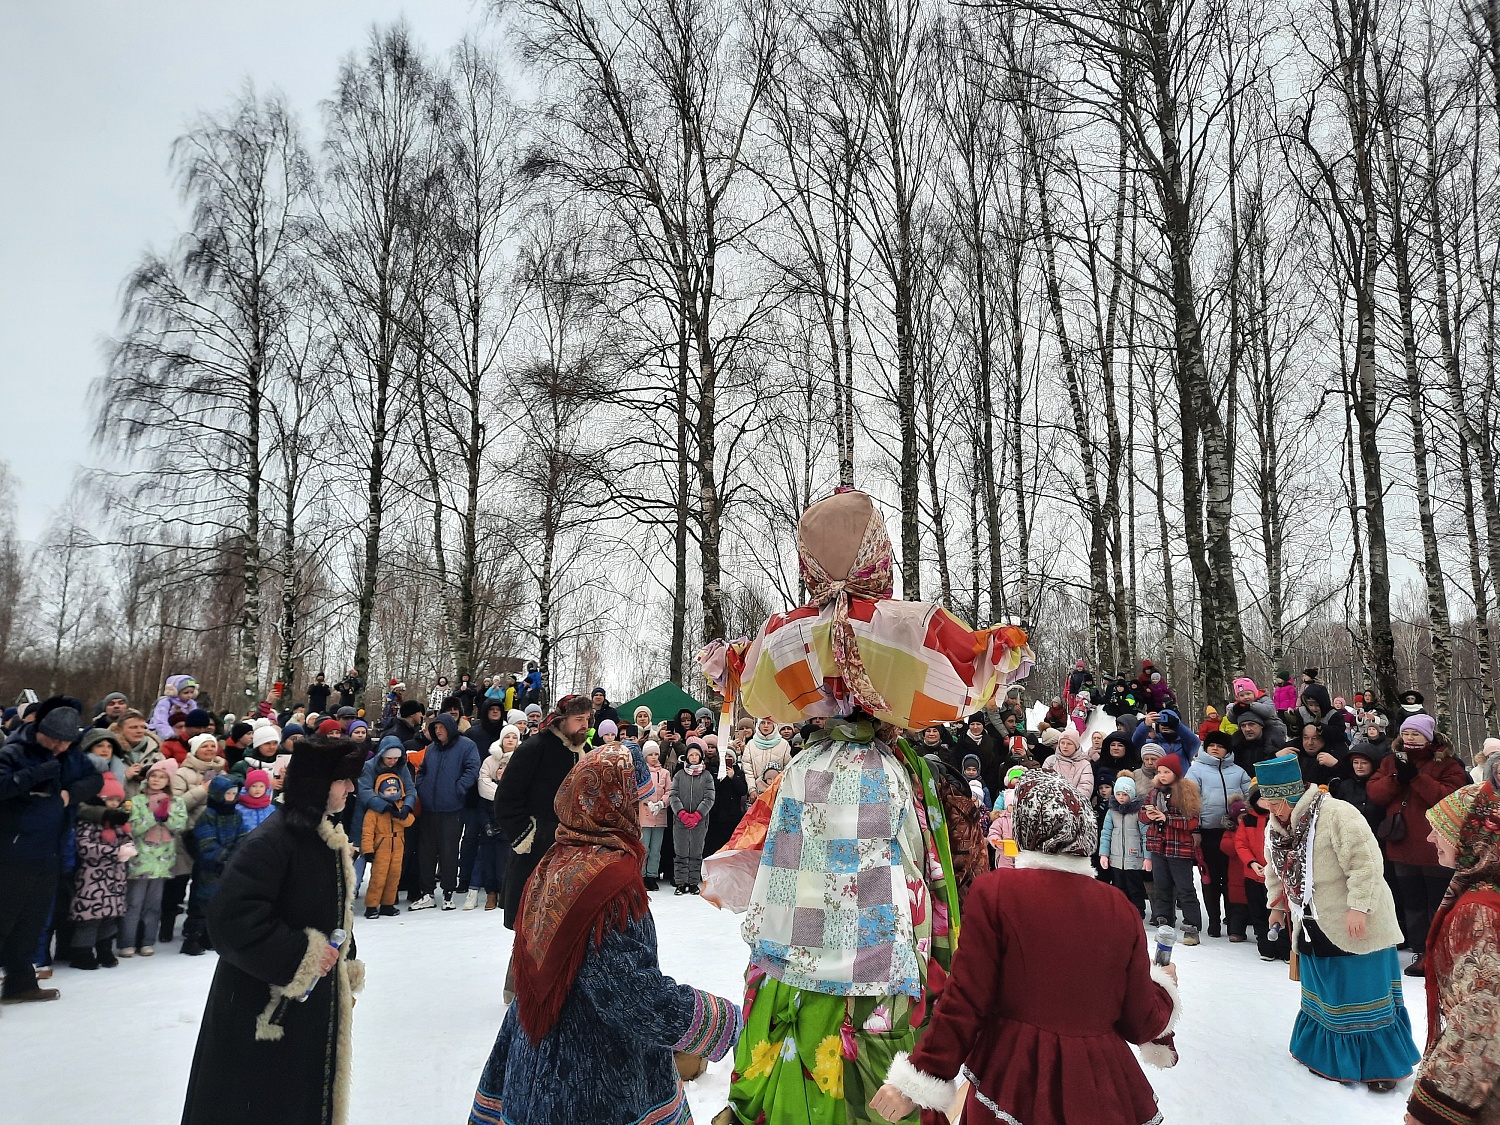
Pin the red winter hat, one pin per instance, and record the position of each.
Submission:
(112, 788)
(1173, 762)
(330, 728)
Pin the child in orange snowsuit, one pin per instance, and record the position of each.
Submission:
(384, 846)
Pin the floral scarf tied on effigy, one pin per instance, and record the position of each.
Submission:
(869, 577)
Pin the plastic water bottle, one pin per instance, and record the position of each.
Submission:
(335, 941)
(1273, 932)
(1166, 937)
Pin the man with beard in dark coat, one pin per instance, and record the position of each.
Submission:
(287, 888)
(523, 799)
(1260, 736)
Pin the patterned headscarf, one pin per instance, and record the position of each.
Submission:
(869, 577)
(1050, 818)
(1478, 869)
(588, 884)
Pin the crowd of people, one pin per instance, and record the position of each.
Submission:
(115, 827)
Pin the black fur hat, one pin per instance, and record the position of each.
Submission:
(316, 764)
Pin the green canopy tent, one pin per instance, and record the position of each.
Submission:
(665, 700)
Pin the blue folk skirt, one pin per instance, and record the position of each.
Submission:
(1353, 1025)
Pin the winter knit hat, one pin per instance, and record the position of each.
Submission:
(1245, 683)
(61, 723)
(167, 766)
(198, 717)
(1014, 774)
(112, 788)
(1448, 815)
(609, 726)
(1124, 783)
(515, 718)
(1425, 725)
(265, 798)
(358, 724)
(650, 747)
(970, 760)
(1049, 737)
(1050, 818)
(1151, 750)
(1173, 763)
(533, 709)
(202, 740)
(265, 734)
(330, 728)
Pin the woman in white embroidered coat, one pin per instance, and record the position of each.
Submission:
(1057, 1055)
(1324, 865)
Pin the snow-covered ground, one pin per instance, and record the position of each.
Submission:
(118, 1045)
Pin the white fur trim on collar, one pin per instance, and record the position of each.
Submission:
(926, 1090)
(1043, 861)
(1159, 975)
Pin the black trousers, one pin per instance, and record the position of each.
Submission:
(1260, 918)
(438, 854)
(1175, 887)
(173, 895)
(1421, 894)
(26, 891)
(1216, 864)
(1130, 883)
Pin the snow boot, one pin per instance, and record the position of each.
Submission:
(423, 903)
(471, 900)
(106, 955)
(1189, 936)
(31, 996)
(372, 912)
(389, 912)
(193, 947)
(83, 957)
(491, 900)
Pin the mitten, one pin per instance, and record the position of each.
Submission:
(685, 818)
(116, 818)
(1406, 770)
(1160, 1053)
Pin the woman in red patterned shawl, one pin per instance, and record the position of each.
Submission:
(591, 1035)
(1458, 1083)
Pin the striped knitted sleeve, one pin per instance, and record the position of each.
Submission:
(713, 1029)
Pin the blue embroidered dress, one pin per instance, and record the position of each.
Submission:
(608, 1060)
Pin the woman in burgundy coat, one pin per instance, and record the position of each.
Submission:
(1420, 772)
(1057, 1055)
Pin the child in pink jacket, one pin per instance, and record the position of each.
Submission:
(653, 813)
(1001, 836)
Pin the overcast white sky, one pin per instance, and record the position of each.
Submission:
(92, 92)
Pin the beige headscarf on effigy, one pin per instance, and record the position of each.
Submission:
(845, 535)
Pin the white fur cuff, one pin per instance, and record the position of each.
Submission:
(1158, 1055)
(926, 1090)
(1046, 861)
(1159, 975)
(302, 980)
(356, 975)
(522, 846)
